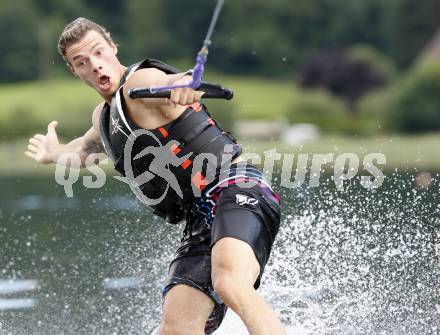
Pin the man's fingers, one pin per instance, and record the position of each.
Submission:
(51, 127)
(175, 96)
(39, 137)
(185, 96)
(191, 98)
(184, 100)
(30, 155)
(32, 148)
(35, 142)
(181, 96)
(198, 95)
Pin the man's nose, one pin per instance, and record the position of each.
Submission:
(96, 65)
(97, 68)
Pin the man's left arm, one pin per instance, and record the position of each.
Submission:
(152, 77)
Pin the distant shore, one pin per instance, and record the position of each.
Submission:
(404, 153)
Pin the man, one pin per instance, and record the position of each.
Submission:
(229, 230)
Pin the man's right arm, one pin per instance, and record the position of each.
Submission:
(46, 149)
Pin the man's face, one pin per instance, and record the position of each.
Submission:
(94, 60)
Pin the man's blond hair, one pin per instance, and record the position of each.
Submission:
(76, 30)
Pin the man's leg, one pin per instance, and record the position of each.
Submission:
(185, 311)
(234, 272)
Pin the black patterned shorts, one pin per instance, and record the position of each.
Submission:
(242, 206)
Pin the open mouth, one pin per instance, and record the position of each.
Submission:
(104, 82)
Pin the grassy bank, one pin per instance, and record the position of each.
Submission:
(26, 108)
(402, 152)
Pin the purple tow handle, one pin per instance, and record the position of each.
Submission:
(197, 74)
(198, 71)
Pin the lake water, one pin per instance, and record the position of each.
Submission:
(353, 262)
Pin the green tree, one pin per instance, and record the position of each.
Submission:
(252, 36)
(411, 25)
(415, 106)
(19, 41)
(148, 35)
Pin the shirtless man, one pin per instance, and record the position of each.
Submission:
(224, 250)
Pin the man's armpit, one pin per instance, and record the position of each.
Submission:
(93, 147)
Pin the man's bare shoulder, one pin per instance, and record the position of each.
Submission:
(96, 115)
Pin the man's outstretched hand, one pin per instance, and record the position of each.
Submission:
(42, 148)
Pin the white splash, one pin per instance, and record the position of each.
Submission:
(14, 286)
(12, 304)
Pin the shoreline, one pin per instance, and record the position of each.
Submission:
(402, 152)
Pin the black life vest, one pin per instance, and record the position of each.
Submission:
(181, 141)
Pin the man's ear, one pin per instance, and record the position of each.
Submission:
(114, 47)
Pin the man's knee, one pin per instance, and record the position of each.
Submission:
(170, 325)
(234, 271)
(185, 311)
(232, 289)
